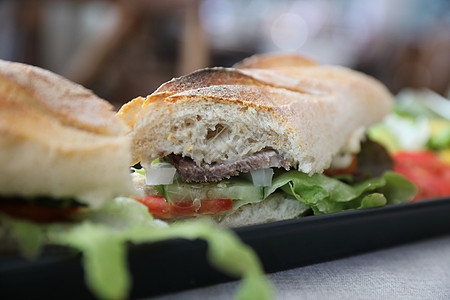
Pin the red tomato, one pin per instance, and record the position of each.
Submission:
(213, 206)
(162, 209)
(36, 213)
(426, 171)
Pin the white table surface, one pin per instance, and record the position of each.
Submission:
(419, 270)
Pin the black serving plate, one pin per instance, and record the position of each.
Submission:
(178, 264)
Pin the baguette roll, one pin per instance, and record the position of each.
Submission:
(305, 112)
(59, 140)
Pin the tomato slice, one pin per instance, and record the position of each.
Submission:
(162, 209)
(426, 171)
(33, 212)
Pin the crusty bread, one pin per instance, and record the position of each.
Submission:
(58, 139)
(307, 113)
(69, 103)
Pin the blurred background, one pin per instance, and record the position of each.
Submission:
(123, 49)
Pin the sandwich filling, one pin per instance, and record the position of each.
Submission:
(227, 188)
(204, 172)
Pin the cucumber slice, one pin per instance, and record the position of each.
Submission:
(235, 189)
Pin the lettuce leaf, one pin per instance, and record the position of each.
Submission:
(28, 236)
(327, 195)
(103, 236)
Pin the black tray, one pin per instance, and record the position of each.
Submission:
(178, 264)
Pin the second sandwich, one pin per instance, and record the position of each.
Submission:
(250, 144)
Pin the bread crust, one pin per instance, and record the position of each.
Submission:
(308, 113)
(61, 142)
(70, 103)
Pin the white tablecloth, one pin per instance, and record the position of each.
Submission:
(419, 270)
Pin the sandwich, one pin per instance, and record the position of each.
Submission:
(61, 147)
(65, 181)
(274, 137)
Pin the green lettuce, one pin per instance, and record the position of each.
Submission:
(29, 236)
(102, 237)
(327, 195)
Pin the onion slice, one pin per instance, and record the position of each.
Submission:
(160, 173)
(262, 177)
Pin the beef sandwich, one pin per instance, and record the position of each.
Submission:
(250, 144)
(60, 145)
